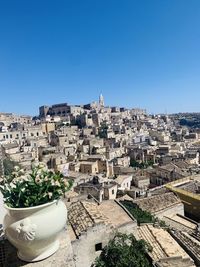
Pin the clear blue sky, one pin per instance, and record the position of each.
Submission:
(138, 53)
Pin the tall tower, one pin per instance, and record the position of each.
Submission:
(101, 100)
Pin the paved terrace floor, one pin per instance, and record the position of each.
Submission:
(115, 213)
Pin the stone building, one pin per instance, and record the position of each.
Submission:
(92, 226)
(161, 205)
(124, 182)
(90, 167)
(100, 191)
(166, 173)
(165, 250)
(188, 190)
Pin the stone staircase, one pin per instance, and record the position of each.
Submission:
(157, 252)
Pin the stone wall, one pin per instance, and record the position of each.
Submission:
(173, 210)
(84, 247)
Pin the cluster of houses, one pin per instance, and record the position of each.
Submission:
(112, 155)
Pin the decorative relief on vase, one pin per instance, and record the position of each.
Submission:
(26, 230)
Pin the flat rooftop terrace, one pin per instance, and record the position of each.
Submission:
(191, 186)
(115, 213)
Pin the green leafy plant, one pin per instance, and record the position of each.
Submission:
(141, 165)
(140, 215)
(124, 251)
(38, 187)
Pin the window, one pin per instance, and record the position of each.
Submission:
(113, 191)
(98, 247)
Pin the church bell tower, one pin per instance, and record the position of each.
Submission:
(101, 101)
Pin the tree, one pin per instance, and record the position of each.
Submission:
(142, 165)
(124, 251)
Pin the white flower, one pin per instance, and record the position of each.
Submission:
(21, 171)
(57, 183)
(60, 192)
(35, 165)
(46, 179)
(26, 178)
(15, 174)
(22, 178)
(12, 185)
(50, 194)
(39, 171)
(16, 168)
(52, 182)
(41, 166)
(37, 179)
(17, 179)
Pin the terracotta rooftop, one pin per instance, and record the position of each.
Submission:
(182, 164)
(159, 202)
(83, 214)
(170, 167)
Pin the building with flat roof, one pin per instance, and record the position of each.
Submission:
(188, 191)
(91, 226)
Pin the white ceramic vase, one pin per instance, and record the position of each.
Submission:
(34, 231)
